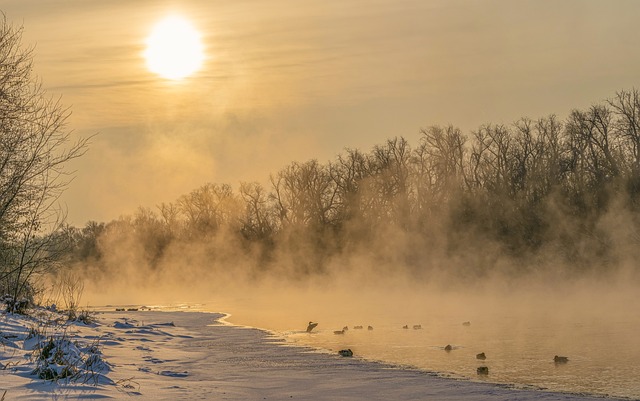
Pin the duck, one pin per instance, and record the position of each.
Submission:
(560, 359)
(448, 348)
(345, 328)
(346, 352)
(481, 356)
(338, 332)
(311, 326)
(369, 327)
(483, 370)
(405, 326)
(417, 326)
(357, 327)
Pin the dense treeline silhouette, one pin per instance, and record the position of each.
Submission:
(520, 198)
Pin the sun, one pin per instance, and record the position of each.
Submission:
(174, 50)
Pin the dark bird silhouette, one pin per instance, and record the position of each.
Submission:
(346, 352)
(311, 326)
(481, 356)
(483, 370)
(560, 359)
(448, 348)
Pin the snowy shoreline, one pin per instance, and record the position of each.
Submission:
(184, 355)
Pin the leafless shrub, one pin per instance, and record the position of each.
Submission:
(60, 358)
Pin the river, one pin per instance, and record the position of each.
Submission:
(520, 335)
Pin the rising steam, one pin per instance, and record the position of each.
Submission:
(544, 205)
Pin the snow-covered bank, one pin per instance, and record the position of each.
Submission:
(192, 355)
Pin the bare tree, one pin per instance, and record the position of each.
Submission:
(259, 221)
(208, 208)
(390, 185)
(35, 148)
(596, 150)
(349, 173)
(491, 159)
(305, 195)
(440, 158)
(626, 107)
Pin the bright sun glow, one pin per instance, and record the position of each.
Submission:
(174, 50)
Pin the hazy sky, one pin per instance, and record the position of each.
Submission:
(289, 80)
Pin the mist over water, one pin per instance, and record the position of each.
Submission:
(519, 321)
(519, 325)
(529, 232)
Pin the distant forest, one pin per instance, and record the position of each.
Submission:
(536, 195)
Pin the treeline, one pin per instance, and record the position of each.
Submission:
(534, 195)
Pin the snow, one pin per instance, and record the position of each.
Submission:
(197, 356)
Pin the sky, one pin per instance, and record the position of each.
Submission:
(293, 80)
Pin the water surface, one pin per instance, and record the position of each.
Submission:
(520, 339)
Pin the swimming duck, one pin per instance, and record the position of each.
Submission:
(345, 352)
(483, 370)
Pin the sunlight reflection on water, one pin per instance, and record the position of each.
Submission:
(603, 356)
